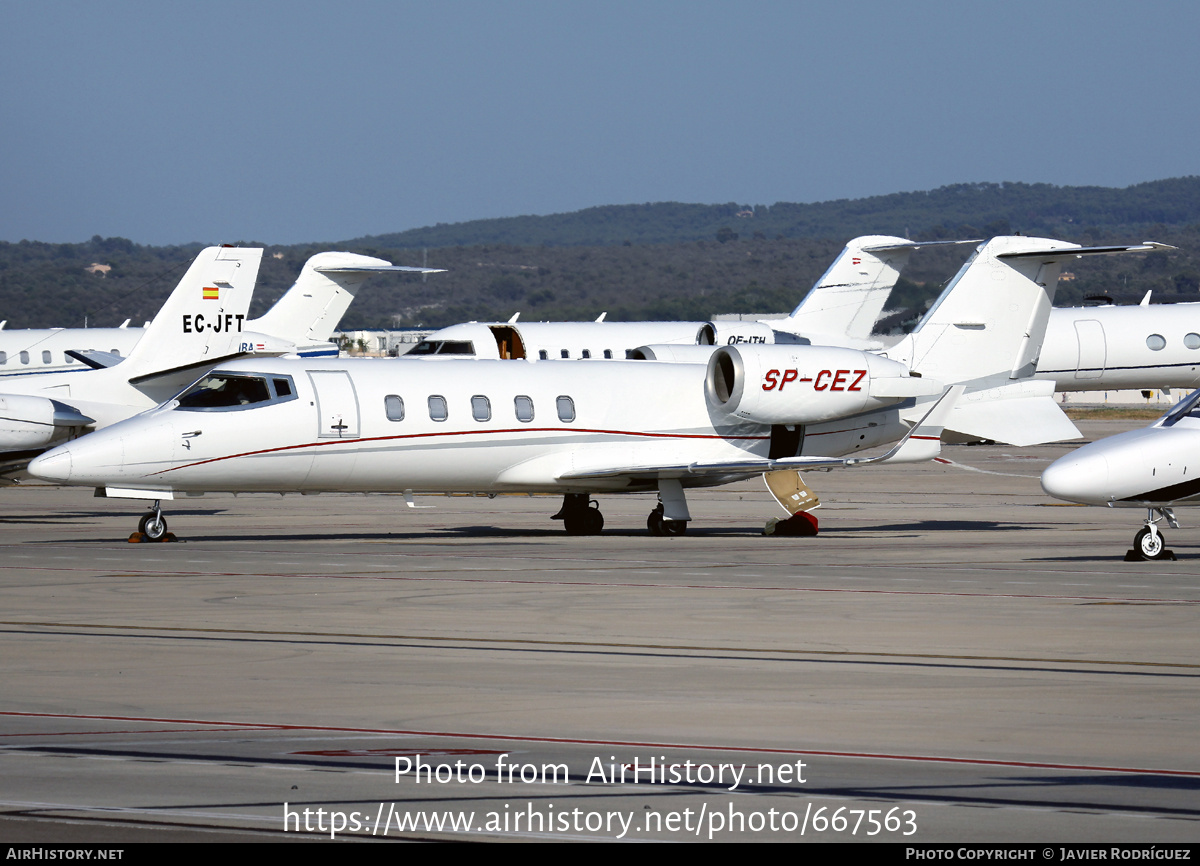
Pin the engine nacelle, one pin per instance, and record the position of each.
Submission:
(679, 353)
(806, 384)
(32, 422)
(735, 334)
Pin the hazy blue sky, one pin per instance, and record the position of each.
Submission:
(294, 121)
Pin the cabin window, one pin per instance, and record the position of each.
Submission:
(542, 354)
(24, 357)
(1192, 341)
(437, 408)
(67, 359)
(46, 356)
(3, 357)
(393, 405)
(566, 409)
(608, 353)
(524, 408)
(564, 353)
(587, 353)
(481, 408)
(283, 387)
(1156, 342)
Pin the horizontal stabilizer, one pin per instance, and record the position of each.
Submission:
(376, 269)
(1021, 421)
(94, 358)
(917, 245)
(1073, 252)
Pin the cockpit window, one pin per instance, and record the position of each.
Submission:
(233, 391)
(443, 347)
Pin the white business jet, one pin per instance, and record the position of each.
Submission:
(838, 310)
(579, 429)
(1155, 468)
(202, 324)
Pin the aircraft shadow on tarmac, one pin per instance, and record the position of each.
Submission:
(198, 533)
(926, 526)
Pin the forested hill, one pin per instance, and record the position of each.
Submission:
(981, 209)
(643, 262)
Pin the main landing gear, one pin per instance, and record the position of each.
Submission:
(659, 525)
(1149, 543)
(152, 527)
(580, 515)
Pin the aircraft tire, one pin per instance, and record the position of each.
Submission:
(152, 526)
(674, 527)
(655, 521)
(1149, 546)
(584, 521)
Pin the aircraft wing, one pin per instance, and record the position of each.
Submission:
(922, 442)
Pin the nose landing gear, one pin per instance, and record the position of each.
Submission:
(152, 527)
(1149, 543)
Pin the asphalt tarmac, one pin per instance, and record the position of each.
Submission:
(955, 658)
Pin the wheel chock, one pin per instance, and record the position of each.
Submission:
(802, 523)
(1132, 555)
(142, 538)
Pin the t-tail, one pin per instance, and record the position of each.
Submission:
(986, 330)
(309, 311)
(848, 298)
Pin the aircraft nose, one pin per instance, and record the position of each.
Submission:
(54, 465)
(1078, 477)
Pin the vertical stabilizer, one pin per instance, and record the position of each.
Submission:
(203, 318)
(309, 311)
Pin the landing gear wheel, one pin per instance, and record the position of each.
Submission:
(659, 525)
(153, 526)
(584, 521)
(1149, 545)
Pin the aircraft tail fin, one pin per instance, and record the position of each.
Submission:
(987, 326)
(203, 318)
(848, 298)
(309, 311)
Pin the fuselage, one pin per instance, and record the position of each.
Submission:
(1109, 348)
(23, 352)
(388, 425)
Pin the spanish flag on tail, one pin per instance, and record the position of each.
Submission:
(211, 293)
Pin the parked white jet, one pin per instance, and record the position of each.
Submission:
(1154, 468)
(202, 324)
(578, 429)
(838, 310)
